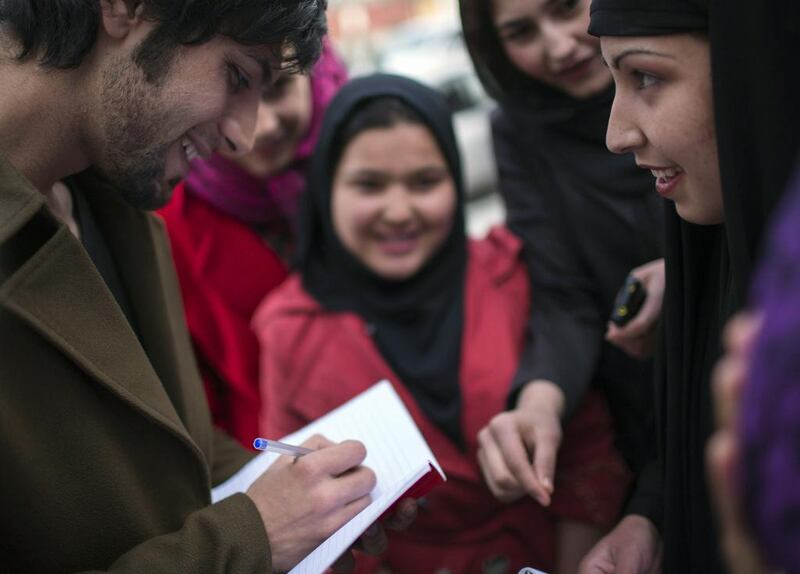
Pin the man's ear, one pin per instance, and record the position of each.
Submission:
(120, 17)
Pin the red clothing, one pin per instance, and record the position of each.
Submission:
(314, 360)
(225, 270)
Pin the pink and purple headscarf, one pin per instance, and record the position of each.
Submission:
(274, 201)
(771, 401)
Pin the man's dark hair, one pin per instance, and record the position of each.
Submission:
(60, 33)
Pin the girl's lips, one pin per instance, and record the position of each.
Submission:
(665, 187)
(398, 245)
(576, 71)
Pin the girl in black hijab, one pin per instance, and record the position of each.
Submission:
(388, 287)
(587, 219)
(671, 113)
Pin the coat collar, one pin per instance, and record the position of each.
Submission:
(60, 293)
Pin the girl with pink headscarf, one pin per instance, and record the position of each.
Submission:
(231, 224)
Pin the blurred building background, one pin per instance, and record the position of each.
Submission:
(422, 39)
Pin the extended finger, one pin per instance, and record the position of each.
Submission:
(547, 440)
(515, 454)
(503, 485)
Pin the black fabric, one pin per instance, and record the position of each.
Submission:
(647, 17)
(96, 246)
(756, 91)
(587, 218)
(29, 239)
(416, 323)
(756, 95)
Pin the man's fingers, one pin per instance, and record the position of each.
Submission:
(340, 458)
(351, 486)
(317, 442)
(344, 514)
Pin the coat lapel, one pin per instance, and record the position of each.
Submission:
(59, 292)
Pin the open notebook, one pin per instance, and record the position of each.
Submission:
(396, 451)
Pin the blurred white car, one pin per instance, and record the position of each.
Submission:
(434, 54)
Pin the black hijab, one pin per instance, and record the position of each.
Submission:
(708, 267)
(415, 323)
(562, 141)
(529, 99)
(648, 17)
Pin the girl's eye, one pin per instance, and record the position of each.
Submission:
(517, 32)
(644, 80)
(238, 80)
(424, 182)
(368, 185)
(565, 7)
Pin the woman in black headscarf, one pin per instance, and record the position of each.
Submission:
(388, 287)
(670, 113)
(587, 219)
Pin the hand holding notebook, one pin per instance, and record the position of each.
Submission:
(396, 451)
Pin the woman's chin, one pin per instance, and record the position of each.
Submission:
(698, 215)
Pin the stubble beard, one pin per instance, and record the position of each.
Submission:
(133, 122)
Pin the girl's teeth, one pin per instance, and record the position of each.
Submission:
(665, 174)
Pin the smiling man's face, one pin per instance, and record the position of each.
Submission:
(150, 129)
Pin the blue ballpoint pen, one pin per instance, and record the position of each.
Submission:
(280, 447)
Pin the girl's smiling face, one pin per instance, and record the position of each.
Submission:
(393, 199)
(663, 112)
(283, 120)
(548, 41)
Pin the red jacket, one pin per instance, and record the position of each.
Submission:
(225, 270)
(314, 360)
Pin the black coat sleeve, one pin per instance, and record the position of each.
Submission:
(565, 329)
(647, 498)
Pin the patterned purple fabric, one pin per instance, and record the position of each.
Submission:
(229, 188)
(771, 401)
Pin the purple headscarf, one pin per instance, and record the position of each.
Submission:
(771, 400)
(274, 201)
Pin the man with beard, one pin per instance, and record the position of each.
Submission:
(107, 447)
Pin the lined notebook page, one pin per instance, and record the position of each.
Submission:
(396, 452)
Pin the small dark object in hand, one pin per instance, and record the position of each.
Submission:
(628, 302)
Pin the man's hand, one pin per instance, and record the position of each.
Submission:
(532, 431)
(633, 547)
(637, 338)
(722, 450)
(303, 501)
